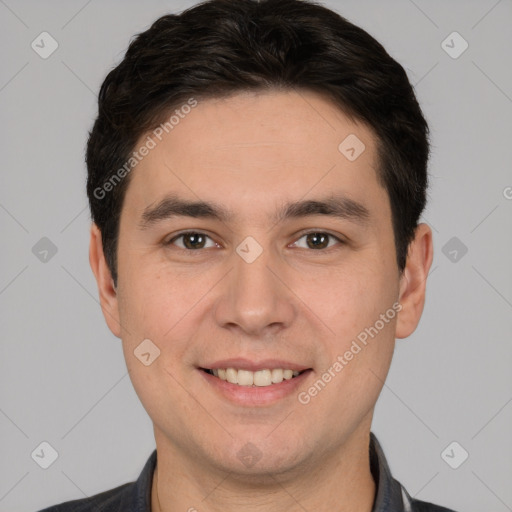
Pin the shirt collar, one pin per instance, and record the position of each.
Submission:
(389, 495)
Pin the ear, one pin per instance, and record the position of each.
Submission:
(413, 281)
(107, 291)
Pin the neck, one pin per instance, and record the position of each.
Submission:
(341, 481)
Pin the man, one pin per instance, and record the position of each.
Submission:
(256, 175)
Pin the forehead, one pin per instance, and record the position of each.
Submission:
(256, 149)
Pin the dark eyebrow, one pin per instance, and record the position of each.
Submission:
(173, 206)
(336, 206)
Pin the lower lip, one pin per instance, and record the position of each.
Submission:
(255, 395)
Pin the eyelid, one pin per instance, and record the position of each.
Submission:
(169, 241)
(298, 236)
(302, 234)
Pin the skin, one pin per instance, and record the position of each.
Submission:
(250, 153)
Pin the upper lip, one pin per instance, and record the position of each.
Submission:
(254, 366)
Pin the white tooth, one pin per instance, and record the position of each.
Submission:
(232, 375)
(277, 375)
(259, 378)
(262, 378)
(245, 378)
(287, 374)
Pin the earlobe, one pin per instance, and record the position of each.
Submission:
(106, 288)
(413, 281)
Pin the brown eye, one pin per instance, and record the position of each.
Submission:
(191, 241)
(317, 240)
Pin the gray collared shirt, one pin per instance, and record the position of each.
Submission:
(136, 496)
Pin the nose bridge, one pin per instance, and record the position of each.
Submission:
(253, 298)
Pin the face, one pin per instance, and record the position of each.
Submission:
(249, 240)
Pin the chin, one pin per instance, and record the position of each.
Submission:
(258, 459)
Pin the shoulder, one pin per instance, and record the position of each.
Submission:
(130, 497)
(424, 506)
(113, 500)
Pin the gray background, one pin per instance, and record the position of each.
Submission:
(63, 376)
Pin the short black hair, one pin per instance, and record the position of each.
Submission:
(222, 47)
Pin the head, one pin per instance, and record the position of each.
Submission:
(290, 147)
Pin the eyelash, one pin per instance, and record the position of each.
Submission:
(317, 232)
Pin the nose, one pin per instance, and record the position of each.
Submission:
(255, 298)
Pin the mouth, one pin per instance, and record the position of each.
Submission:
(248, 383)
(260, 378)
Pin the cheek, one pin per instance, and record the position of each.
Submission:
(351, 298)
(365, 332)
(167, 308)
(151, 303)
(357, 358)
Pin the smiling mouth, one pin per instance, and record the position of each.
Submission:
(260, 378)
